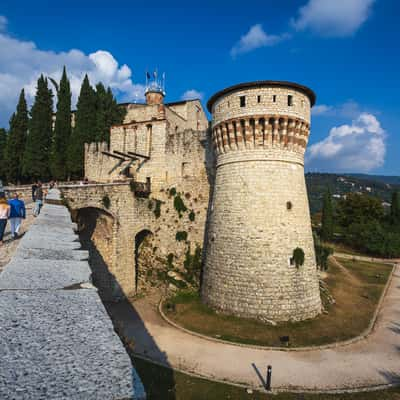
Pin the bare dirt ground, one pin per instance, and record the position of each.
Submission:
(9, 246)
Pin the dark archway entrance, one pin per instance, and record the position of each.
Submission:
(144, 259)
(95, 227)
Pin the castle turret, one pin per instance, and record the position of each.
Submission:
(155, 92)
(259, 212)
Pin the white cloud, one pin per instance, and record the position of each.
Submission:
(359, 147)
(349, 109)
(321, 109)
(254, 39)
(333, 18)
(192, 94)
(3, 23)
(22, 63)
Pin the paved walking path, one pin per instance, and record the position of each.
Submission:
(374, 361)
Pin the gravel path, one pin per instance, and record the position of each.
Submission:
(372, 362)
(9, 247)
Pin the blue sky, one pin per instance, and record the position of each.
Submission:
(347, 51)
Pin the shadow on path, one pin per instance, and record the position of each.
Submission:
(127, 322)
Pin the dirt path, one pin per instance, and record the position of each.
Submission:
(7, 250)
(372, 362)
(353, 279)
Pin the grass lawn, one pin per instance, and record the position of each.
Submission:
(342, 248)
(164, 384)
(356, 293)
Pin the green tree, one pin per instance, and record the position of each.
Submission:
(395, 208)
(327, 217)
(16, 141)
(108, 113)
(84, 131)
(359, 208)
(62, 129)
(3, 161)
(36, 162)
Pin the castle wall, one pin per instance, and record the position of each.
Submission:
(131, 215)
(259, 211)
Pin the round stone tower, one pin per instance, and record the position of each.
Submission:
(259, 211)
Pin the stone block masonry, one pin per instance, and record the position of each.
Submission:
(259, 212)
(56, 339)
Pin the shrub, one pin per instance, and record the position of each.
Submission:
(157, 208)
(106, 201)
(192, 216)
(181, 236)
(132, 185)
(170, 258)
(150, 205)
(192, 266)
(172, 192)
(298, 257)
(179, 205)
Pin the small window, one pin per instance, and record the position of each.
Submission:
(274, 98)
(242, 101)
(302, 103)
(291, 261)
(290, 100)
(289, 205)
(229, 104)
(258, 99)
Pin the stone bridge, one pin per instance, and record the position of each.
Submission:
(130, 238)
(56, 338)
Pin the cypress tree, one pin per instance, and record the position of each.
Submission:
(85, 129)
(16, 141)
(327, 217)
(108, 113)
(101, 114)
(395, 208)
(62, 129)
(3, 162)
(38, 146)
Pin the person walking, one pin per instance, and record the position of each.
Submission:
(38, 199)
(34, 187)
(17, 214)
(4, 214)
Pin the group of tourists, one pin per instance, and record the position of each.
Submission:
(14, 211)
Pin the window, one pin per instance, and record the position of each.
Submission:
(258, 99)
(290, 100)
(274, 98)
(289, 205)
(229, 104)
(242, 101)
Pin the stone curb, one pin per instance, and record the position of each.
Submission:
(334, 345)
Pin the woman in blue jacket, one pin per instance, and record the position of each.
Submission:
(17, 214)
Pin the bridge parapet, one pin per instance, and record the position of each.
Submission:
(54, 326)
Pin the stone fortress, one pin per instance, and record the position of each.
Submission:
(168, 185)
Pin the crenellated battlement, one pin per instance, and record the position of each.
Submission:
(261, 132)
